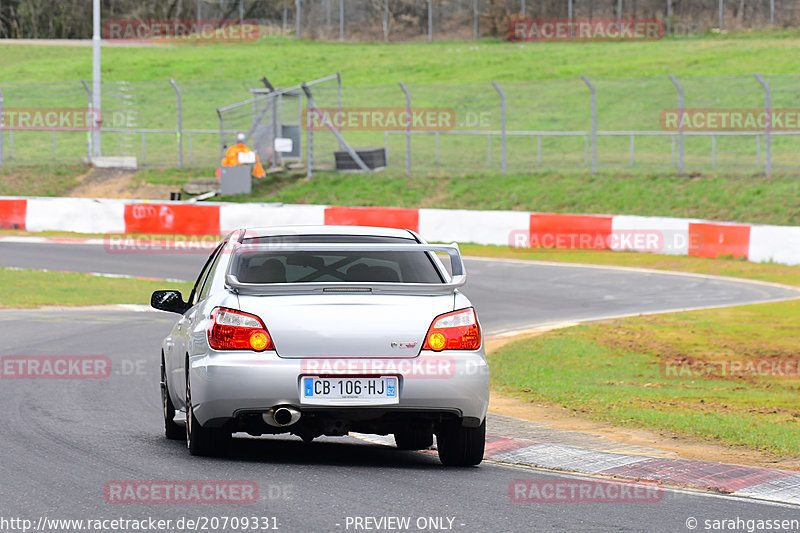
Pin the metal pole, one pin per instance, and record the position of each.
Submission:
(669, 15)
(408, 127)
(523, 8)
(767, 124)
(720, 12)
(96, 76)
(241, 11)
(341, 20)
(91, 111)
(309, 140)
(713, 151)
(180, 122)
(1, 128)
(594, 123)
(619, 12)
(297, 19)
(199, 11)
(386, 21)
(475, 19)
(502, 123)
(285, 16)
(339, 102)
(678, 86)
(632, 149)
(569, 16)
(430, 21)
(771, 12)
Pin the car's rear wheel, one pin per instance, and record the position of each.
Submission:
(201, 440)
(171, 430)
(413, 439)
(461, 446)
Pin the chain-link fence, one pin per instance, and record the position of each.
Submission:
(500, 127)
(394, 20)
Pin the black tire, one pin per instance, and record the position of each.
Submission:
(201, 440)
(460, 446)
(414, 439)
(171, 430)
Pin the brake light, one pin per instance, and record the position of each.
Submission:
(235, 330)
(458, 330)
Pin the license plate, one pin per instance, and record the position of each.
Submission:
(349, 390)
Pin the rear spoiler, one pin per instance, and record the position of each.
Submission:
(458, 279)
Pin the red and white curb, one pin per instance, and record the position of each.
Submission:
(738, 480)
(676, 236)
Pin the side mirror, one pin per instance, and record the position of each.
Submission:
(171, 301)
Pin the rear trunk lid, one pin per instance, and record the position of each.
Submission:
(347, 325)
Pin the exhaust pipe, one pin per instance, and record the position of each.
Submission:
(281, 416)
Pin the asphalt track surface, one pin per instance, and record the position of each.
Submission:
(62, 441)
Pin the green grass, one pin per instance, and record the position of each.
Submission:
(287, 61)
(49, 179)
(615, 372)
(34, 288)
(740, 198)
(769, 272)
(541, 80)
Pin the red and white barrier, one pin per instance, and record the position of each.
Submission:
(758, 243)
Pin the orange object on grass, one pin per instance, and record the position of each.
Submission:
(231, 159)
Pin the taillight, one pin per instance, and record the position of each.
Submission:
(458, 330)
(235, 330)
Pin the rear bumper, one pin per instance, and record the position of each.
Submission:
(225, 384)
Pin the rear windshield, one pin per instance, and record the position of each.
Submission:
(340, 266)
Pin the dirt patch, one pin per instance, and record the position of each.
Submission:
(118, 183)
(686, 447)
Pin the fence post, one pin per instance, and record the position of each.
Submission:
(430, 21)
(678, 86)
(523, 8)
(339, 101)
(771, 12)
(408, 127)
(1, 128)
(502, 123)
(297, 16)
(386, 21)
(341, 20)
(669, 16)
(594, 123)
(767, 124)
(720, 13)
(91, 111)
(475, 20)
(619, 13)
(180, 122)
(569, 16)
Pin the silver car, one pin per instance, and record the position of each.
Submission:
(324, 330)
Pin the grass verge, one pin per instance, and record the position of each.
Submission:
(737, 198)
(618, 372)
(34, 288)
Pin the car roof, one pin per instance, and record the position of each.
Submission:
(276, 231)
